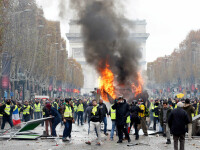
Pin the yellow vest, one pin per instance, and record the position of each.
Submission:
(15, 108)
(112, 113)
(94, 110)
(75, 107)
(19, 108)
(37, 107)
(55, 105)
(152, 106)
(142, 107)
(27, 110)
(197, 110)
(7, 109)
(80, 108)
(128, 120)
(154, 112)
(175, 106)
(68, 112)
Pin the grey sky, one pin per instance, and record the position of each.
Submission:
(168, 21)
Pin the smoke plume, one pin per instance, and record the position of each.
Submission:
(106, 38)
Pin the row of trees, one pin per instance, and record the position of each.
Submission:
(180, 70)
(37, 51)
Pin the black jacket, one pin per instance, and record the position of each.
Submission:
(134, 114)
(104, 109)
(122, 112)
(178, 119)
(98, 115)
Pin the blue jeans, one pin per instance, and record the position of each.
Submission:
(37, 115)
(156, 119)
(55, 122)
(113, 129)
(27, 117)
(75, 116)
(68, 129)
(105, 124)
(80, 117)
(6, 119)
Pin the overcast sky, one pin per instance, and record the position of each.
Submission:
(168, 21)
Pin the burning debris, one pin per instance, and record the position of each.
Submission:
(107, 45)
(106, 83)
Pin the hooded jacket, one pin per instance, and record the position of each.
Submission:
(161, 115)
(189, 109)
(122, 112)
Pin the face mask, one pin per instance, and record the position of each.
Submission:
(37, 102)
(8, 103)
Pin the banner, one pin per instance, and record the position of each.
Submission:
(5, 76)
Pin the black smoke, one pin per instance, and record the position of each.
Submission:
(106, 38)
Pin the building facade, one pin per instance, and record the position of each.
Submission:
(76, 51)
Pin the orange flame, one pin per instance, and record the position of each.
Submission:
(107, 84)
(137, 89)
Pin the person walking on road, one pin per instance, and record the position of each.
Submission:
(141, 114)
(164, 115)
(104, 110)
(95, 122)
(177, 121)
(135, 120)
(67, 119)
(80, 110)
(122, 112)
(190, 110)
(155, 114)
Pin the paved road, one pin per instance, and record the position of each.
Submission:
(79, 136)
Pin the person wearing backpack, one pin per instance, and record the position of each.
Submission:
(142, 117)
(135, 120)
(155, 114)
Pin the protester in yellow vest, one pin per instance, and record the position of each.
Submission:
(198, 109)
(75, 109)
(27, 110)
(37, 110)
(112, 114)
(80, 110)
(55, 104)
(95, 122)
(142, 117)
(67, 119)
(6, 110)
(156, 114)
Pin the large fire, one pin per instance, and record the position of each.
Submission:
(137, 89)
(107, 84)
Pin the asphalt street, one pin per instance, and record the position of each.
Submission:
(79, 137)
